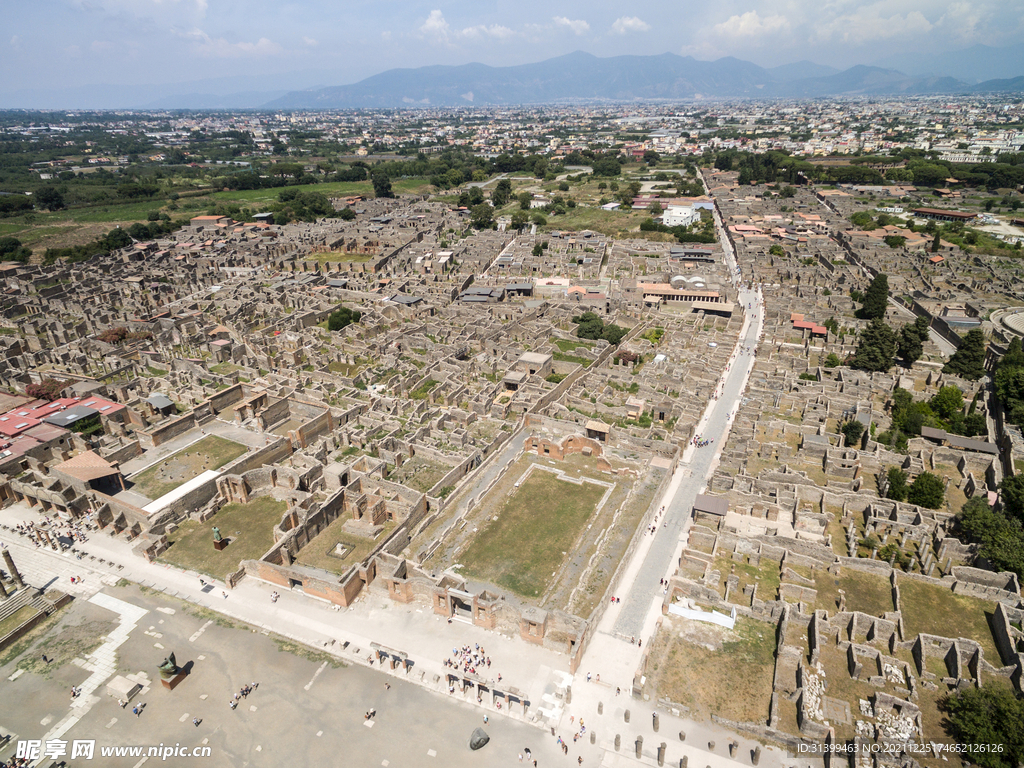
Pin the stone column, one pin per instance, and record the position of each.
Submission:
(3, 590)
(12, 568)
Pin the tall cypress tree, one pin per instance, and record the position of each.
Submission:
(876, 298)
(912, 338)
(877, 347)
(969, 360)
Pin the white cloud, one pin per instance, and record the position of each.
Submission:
(220, 48)
(16, 42)
(385, 35)
(101, 45)
(962, 19)
(750, 24)
(435, 26)
(309, 42)
(481, 30)
(867, 24)
(626, 24)
(578, 26)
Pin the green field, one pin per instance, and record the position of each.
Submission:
(535, 530)
(317, 554)
(935, 610)
(248, 527)
(56, 229)
(209, 453)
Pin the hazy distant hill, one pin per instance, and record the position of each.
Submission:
(972, 65)
(1014, 85)
(583, 77)
(800, 70)
(573, 77)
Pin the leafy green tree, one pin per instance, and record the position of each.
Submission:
(877, 347)
(347, 214)
(482, 216)
(936, 242)
(912, 338)
(1011, 492)
(342, 318)
(853, 430)
(968, 361)
(651, 157)
(832, 360)
(520, 219)
(607, 167)
(777, 250)
(895, 241)
(897, 484)
(381, 183)
(525, 198)
(538, 250)
(876, 298)
(49, 198)
(949, 400)
(1001, 539)
(613, 334)
(11, 249)
(927, 490)
(990, 718)
(973, 425)
(502, 193)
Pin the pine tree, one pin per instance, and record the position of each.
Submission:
(912, 338)
(968, 361)
(876, 298)
(877, 347)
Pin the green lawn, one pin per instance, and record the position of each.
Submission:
(342, 257)
(535, 530)
(935, 610)
(211, 452)
(561, 357)
(570, 345)
(865, 592)
(316, 554)
(249, 527)
(333, 189)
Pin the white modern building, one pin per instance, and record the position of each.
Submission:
(680, 216)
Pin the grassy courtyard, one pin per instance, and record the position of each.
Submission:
(935, 610)
(733, 681)
(534, 531)
(248, 526)
(211, 452)
(318, 553)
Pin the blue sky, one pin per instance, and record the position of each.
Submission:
(66, 43)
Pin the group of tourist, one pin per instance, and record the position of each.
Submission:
(471, 660)
(72, 530)
(243, 693)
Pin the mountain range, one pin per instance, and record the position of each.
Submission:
(584, 77)
(575, 77)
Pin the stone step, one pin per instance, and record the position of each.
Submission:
(17, 601)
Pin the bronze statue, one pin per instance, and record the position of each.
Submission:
(169, 668)
(216, 534)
